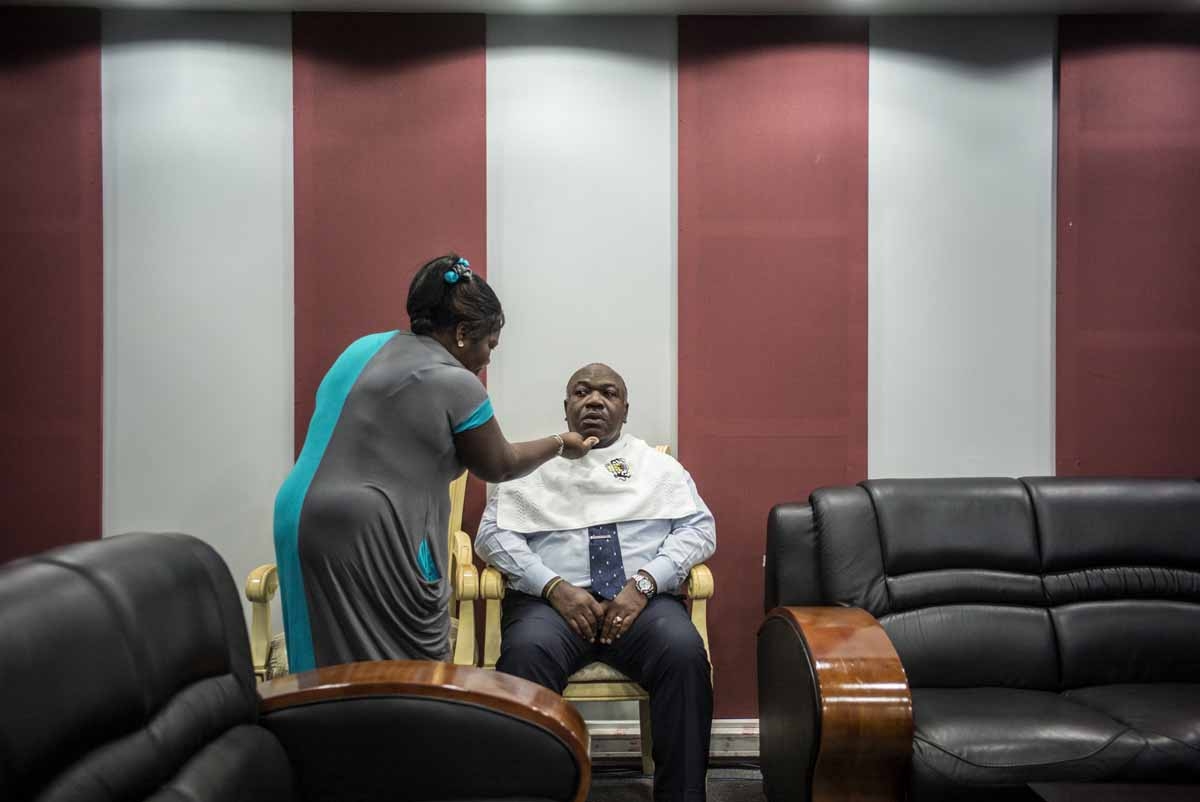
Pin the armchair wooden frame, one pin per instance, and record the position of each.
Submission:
(836, 707)
(471, 687)
(598, 682)
(262, 584)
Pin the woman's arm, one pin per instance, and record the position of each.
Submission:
(488, 455)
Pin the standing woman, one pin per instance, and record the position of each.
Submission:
(360, 522)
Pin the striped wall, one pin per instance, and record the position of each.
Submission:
(772, 289)
(390, 171)
(51, 271)
(581, 213)
(818, 250)
(1128, 347)
(961, 247)
(197, 276)
(581, 219)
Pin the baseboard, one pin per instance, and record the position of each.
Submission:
(731, 738)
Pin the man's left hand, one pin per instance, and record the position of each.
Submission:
(620, 613)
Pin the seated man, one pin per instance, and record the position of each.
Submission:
(595, 552)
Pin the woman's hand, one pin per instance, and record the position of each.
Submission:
(575, 446)
(488, 455)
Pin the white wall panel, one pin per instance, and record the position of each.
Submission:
(961, 251)
(581, 126)
(197, 138)
(581, 121)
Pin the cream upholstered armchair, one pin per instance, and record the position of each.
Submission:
(600, 682)
(269, 652)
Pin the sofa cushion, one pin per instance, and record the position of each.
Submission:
(849, 550)
(962, 574)
(245, 764)
(1167, 715)
(1127, 641)
(1004, 736)
(1121, 559)
(971, 645)
(1089, 523)
(122, 661)
(940, 524)
(793, 576)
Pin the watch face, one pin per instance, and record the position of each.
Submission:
(644, 585)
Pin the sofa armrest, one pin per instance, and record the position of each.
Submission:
(791, 563)
(834, 705)
(439, 731)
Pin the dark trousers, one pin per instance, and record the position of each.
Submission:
(662, 652)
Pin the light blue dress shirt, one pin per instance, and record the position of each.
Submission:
(665, 549)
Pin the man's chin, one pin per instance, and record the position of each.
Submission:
(599, 432)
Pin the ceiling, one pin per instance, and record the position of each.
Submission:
(659, 6)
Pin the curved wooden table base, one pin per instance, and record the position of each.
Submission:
(510, 695)
(865, 726)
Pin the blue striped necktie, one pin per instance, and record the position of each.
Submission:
(604, 554)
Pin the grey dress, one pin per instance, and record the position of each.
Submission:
(361, 520)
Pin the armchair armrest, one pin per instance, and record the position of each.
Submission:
(700, 583)
(462, 604)
(492, 585)
(834, 706)
(700, 588)
(261, 586)
(439, 731)
(462, 568)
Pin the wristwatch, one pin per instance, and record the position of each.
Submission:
(644, 585)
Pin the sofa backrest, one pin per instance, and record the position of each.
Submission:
(1121, 563)
(125, 672)
(951, 569)
(1031, 583)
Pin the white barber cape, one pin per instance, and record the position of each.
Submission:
(628, 481)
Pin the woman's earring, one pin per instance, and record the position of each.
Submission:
(461, 344)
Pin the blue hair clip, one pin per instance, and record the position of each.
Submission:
(461, 269)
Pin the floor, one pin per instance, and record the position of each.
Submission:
(629, 785)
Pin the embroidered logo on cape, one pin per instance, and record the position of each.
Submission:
(619, 468)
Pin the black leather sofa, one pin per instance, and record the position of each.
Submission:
(125, 675)
(962, 638)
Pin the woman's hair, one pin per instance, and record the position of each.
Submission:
(435, 304)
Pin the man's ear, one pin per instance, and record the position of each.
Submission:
(626, 418)
(564, 409)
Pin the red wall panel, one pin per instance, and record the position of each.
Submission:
(390, 170)
(51, 282)
(772, 289)
(1128, 315)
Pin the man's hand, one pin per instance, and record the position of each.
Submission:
(578, 608)
(620, 613)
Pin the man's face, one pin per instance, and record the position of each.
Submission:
(597, 403)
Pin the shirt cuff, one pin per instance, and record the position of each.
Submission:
(534, 581)
(662, 568)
